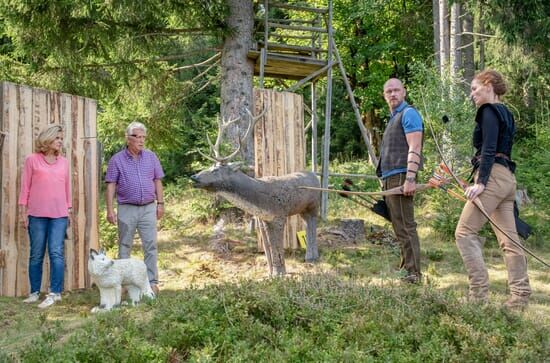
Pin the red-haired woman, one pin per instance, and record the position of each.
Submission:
(495, 185)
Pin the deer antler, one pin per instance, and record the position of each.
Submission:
(222, 126)
(215, 148)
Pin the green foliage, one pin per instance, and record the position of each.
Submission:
(131, 57)
(313, 318)
(108, 236)
(533, 173)
(521, 22)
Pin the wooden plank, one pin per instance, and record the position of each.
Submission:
(286, 21)
(259, 134)
(65, 102)
(298, 8)
(90, 185)
(287, 36)
(300, 150)
(290, 58)
(54, 104)
(25, 147)
(77, 240)
(2, 174)
(278, 136)
(287, 145)
(299, 49)
(300, 137)
(78, 130)
(269, 135)
(286, 65)
(9, 189)
(298, 159)
(311, 29)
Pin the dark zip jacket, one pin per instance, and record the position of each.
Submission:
(493, 139)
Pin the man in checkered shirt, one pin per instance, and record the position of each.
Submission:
(135, 175)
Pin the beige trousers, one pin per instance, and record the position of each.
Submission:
(498, 200)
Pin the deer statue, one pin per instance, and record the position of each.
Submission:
(271, 199)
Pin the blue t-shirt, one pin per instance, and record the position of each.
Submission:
(411, 122)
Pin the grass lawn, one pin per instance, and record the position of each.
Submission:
(192, 266)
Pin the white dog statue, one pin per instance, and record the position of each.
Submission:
(111, 275)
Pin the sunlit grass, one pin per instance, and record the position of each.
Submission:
(187, 260)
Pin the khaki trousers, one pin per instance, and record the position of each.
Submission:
(402, 217)
(498, 200)
(144, 220)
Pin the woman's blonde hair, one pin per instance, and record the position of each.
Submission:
(46, 137)
(494, 78)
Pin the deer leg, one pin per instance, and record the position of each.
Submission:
(267, 246)
(312, 250)
(275, 230)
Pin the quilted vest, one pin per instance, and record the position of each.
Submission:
(395, 149)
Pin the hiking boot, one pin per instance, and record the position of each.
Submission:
(517, 303)
(50, 299)
(32, 298)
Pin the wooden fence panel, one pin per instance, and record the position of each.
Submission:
(279, 144)
(25, 112)
(25, 138)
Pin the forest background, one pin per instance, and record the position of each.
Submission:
(158, 62)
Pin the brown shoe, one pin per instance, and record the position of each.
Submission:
(517, 303)
(155, 288)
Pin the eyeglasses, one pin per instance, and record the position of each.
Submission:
(139, 137)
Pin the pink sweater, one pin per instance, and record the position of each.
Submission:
(45, 188)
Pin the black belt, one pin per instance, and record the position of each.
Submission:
(139, 205)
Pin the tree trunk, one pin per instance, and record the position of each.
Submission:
(455, 43)
(480, 39)
(443, 36)
(468, 50)
(374, 125)
(237, 72)
(435, 11)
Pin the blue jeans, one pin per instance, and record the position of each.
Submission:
(51, 232)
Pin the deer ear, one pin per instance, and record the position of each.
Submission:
(93, 252)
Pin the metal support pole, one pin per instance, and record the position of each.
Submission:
(263, 51)
(314, 121)
(328, 109)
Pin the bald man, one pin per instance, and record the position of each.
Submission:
(400, 160)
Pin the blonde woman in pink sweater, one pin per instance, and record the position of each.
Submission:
(45, 205)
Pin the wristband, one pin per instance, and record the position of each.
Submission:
(160, 202)
(414, 152)
(412, 171)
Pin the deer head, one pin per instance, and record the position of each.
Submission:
(218, 176)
